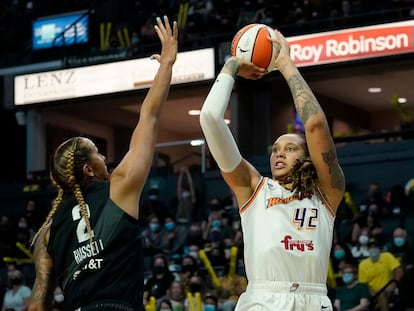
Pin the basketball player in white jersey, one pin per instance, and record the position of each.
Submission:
(288, 219)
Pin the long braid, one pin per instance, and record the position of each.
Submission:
(64, 177)
(75, 186)
(58, 200)
(82, 206)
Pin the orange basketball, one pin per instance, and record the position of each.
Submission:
(251, 43)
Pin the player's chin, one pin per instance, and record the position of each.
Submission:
(279, 173)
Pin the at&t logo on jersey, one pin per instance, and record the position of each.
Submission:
(300, 245)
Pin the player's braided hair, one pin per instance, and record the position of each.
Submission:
(66, 173)
(303, 174)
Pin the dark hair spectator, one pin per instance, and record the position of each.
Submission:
(160, 280)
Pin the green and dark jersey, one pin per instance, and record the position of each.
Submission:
(111, 268)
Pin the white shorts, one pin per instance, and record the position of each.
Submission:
(284, 296)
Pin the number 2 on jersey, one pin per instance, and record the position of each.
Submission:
(81, 231)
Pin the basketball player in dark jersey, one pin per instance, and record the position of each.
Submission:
(90, 243)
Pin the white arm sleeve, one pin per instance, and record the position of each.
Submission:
(219, 138)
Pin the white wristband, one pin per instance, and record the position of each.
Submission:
(220, 140)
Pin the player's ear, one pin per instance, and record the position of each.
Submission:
(87, 170)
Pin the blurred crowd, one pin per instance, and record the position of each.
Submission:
(200, 21)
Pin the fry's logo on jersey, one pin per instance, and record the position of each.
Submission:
(300, 245)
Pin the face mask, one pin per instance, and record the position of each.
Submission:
(16, 281)
(399, 241)
(195, 288)
(194, 237)
(216, 260)
(193, 254)
(188, 268)
(209, 308)
(339, 254)
(363, 239)
(159, 269)
(347, 278)
(59, 298)
(185, 195)
(216, 224)
(374, 254)
(169, 226)
(215, 236)
(154, 227)
(174, 268)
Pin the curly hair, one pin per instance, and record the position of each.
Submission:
(303, 175)
(66, 174)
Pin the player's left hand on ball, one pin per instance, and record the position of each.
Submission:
(250, 71)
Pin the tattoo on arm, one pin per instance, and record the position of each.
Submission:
(337, 179)
(307, 106)
(306, 103)
(44, 284)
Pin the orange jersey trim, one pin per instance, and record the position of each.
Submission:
(274, 201)
(255, 193)
(325, 203)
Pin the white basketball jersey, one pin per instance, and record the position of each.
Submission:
(286, 238)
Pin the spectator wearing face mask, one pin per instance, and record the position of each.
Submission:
(186, 196)
(175, 236)
(154, 236)
(374, 202)
(210, 302)
(214, 210)
(164, 305)
(195, 235)
(213, 230)
(372, 223)
(160, 281)
(189, 268)
(151, 205)
(340, 256)
(377, 271)
(58, 299)
(17, 295)
(196, 285)
(401, 247)
(352, 295)
(360, 249)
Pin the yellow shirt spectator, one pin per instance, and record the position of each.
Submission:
(377, 273)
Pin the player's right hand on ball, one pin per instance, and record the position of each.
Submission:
(284, 53)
